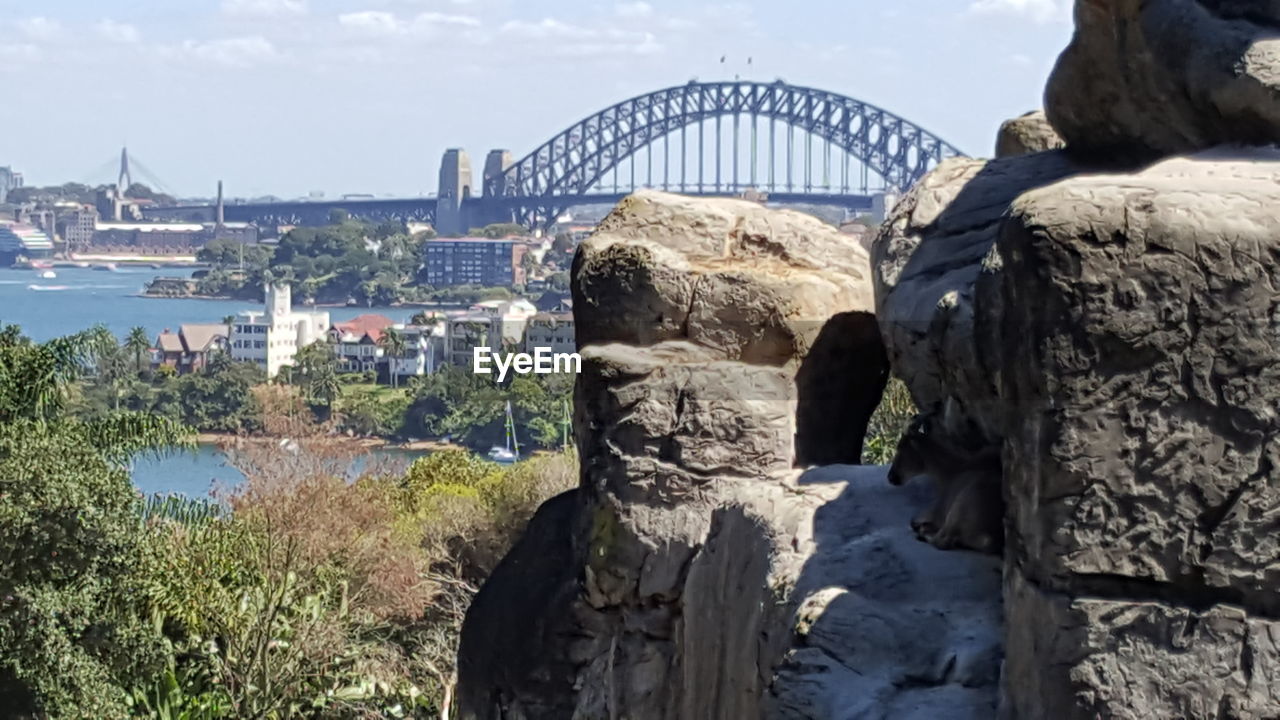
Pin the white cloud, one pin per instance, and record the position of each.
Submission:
(372, 22)
(118, 32)
(636, 9)
(544, 29)
(264, 8)
(15, 53)
(40, 28)
(1037, 11)
(435, 18)
(580, 41)
(241, 52)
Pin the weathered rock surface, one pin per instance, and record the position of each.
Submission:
(660, 589)
(1158, 77)
(1120, 335)
(887, 626)
(930, 255)
(761, 286)
(1141, 356)
(1026, 134)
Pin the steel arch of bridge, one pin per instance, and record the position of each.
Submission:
(570, 164)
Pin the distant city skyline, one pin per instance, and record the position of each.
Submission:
(286, 97)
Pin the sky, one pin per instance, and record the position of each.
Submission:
(286, 97)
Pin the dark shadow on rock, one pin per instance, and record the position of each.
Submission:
(839, 385)
(887, 626)
(524, 609)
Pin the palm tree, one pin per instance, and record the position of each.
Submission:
(138, 343)
(323, 388)
(36, 381)
(393, 344)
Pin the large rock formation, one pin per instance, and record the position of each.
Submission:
(661, 588)
(765, 287)
(1119, 334)
(1152, 77)
(1141, 356)
(1026, 134)
(928, 260)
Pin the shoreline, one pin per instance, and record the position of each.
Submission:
(326, 306)
(216, 438)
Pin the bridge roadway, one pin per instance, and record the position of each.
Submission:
(423, 209)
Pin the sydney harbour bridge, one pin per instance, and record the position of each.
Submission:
(793, 144)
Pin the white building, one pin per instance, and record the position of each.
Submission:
(272, 338)
(552, 331)
(495, 324)
(424, 350)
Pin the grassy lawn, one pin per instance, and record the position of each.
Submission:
(382, 392)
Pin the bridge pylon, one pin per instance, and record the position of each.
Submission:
(453, 198)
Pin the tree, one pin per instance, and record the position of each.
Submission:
(394, 346)
(70, 536)
(138, 343)
(323, 388)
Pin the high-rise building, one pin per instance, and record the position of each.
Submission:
(9, 181)
(474, 261)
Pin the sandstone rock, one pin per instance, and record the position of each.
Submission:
(668, 600)
(660, 589)
(887, 626)
(1160, 77)
(929, 257)
(768, 287)
(1030, 133)
(1141, 357)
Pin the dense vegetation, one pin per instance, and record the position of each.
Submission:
(467, 409)
(83, 194)
(304, 594)
(348, 261)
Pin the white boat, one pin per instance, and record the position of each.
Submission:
(48, 275)
(109, 267)
(502, 456)
(510, 454)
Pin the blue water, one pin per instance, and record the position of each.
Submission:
(198, 473)
(80, 298)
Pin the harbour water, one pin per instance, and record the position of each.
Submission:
(79, 298)
(200, 472)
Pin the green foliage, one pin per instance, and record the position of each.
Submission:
(71, 542)
(497, 231)
(218, 398)
(371, 412)
(471, 408)
(888, 424)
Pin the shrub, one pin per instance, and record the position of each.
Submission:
(70, 545)
(888, 424)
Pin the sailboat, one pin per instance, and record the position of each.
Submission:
(510, 454)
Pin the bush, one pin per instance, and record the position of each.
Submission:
(71, 634)
(332, 597)
(888, 424)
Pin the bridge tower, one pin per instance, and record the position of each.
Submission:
(496, 186)
(125, 179)
(454, 192)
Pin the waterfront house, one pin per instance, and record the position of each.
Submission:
(190, 349)
(356, 342)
